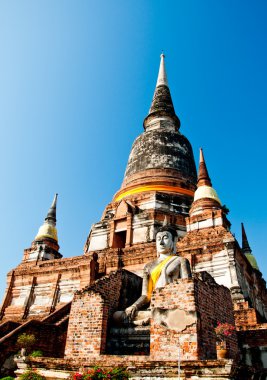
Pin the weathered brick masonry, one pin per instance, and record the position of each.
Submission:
(91, 310)
(209, 302)
(160, 185)
(200, 297)
(89, 316)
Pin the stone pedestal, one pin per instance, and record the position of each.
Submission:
(128, 341)
(184, 315)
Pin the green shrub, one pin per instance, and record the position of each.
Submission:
(7, 378)
(26, 341)
(31, 375)
(36, 354)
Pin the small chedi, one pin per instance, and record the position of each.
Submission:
(159, 273)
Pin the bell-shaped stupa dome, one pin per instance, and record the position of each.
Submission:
(161, 158)
(48, 228)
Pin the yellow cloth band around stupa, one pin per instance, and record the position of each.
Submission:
(141, 189)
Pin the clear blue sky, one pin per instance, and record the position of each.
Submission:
(76, 81)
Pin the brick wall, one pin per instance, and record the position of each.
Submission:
(89, 315)
(256, 337)
(201, 297)
(245, 317)
(74, 274)
(163, 341)
(214, 304)
(201, 302)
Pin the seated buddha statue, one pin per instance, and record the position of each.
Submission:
(165, 269)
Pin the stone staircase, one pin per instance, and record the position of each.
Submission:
(50, 333)
(7, 327)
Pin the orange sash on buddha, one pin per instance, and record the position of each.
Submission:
(155, 273)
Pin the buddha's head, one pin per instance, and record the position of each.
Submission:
(166, 240)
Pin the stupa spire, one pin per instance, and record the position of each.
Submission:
(247, 250)
(245, 244)
(162, 76)
(203, 175)
(204, 186)
(52, 212)
(161, 112)
(206, 208)
(48, 228)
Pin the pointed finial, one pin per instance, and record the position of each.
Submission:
(245, 245)
(54, 203)
(201, 155)
(203, 175)
(52, 212)
(247, 250)
(161, 106)
(162, 76)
